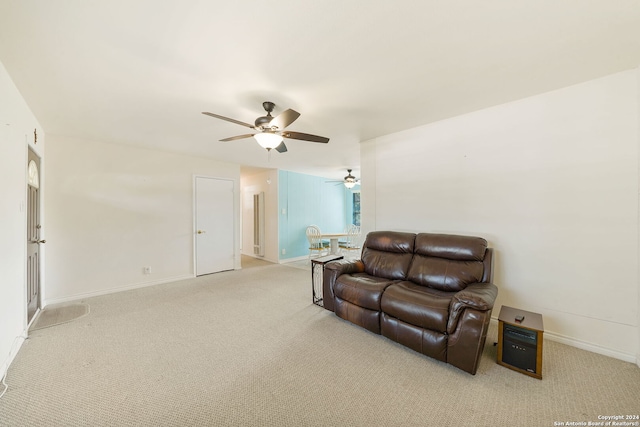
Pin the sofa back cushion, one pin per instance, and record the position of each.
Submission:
(388, 254)
(447, 262)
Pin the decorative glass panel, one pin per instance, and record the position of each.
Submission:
(34, 179)
(356, 208)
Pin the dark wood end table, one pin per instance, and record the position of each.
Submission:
(520, 341)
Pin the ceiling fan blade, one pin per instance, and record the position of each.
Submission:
(233, 138)
(229, 120)
(281, 148)
(284, 119)
(305, 137)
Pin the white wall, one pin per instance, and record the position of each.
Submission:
(111, 210)
(17, 124)
(551, 182)
(266, 181)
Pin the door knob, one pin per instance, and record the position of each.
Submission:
(201, 231)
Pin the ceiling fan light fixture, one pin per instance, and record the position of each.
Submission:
(349, 180)
(350, 183)
(268, 140)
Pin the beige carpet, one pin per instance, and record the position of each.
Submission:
(251, 262)
(59, 314)
(248, 348)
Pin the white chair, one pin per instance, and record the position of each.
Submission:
(326, 243)
(343, 240)
(316, 247)
(351, 248)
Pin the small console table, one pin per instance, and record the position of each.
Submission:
(520, 341)
(317, 276)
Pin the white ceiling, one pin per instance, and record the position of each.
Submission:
(141, 72)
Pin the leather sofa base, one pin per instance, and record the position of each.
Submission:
(430, 343)
(363, 317)
(461, 349)
(467, 342)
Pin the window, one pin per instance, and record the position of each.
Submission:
(356, 208)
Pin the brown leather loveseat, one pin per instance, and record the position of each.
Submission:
(429, 292)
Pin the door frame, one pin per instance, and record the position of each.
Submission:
(236, 246)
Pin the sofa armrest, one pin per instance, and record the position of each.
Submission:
(332, 271)
(477, 296)
(345, 266)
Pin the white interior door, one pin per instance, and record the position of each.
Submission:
(33, 235)
(215, 248)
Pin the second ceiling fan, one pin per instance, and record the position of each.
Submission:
(349, 181)
(271, 130)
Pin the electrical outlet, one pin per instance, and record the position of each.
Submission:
(146, 270)
(284, 252)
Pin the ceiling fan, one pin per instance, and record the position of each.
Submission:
(271, 130)
(349, 181)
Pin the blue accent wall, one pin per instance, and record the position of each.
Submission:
(306, 200)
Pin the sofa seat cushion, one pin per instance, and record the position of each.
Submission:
(417, 305)
(361, 289)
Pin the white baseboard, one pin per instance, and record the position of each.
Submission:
(33, 319)
(594, 348)
(591, 347)
(296, 259)
(80, 296)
